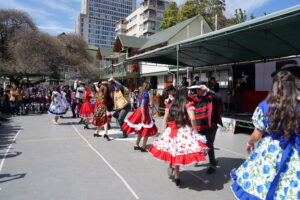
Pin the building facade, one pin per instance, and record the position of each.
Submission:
(144, 21)
(97, 20)
(159, 75)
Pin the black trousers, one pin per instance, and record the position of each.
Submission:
(73, 106)
(210, 137)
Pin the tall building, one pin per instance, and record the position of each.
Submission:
(97, 20)
(145, 21)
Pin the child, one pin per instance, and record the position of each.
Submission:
(56, 108)
(87, 111)
(180, 144)
(272, 170)
(141, 121)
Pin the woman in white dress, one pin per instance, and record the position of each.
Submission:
(57, 107)
(64, 99)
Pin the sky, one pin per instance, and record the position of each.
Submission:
(57, 16)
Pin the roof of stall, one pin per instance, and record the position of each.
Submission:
(272, 36)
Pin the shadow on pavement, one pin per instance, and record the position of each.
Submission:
(10, 155)
(210, 182)
(7, 134)
(9, 177)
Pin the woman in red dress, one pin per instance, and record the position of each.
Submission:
(101, 116)
(87, 110)
(180, 144)
(141, 122)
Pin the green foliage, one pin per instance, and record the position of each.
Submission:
(209, 9)
(240, 15)
(189, 10)
(170, 16)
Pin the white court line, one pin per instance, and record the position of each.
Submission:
(107, 163)
(3, 159)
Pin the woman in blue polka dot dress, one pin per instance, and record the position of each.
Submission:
(272, 171)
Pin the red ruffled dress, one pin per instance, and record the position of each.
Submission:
(134, 122)
(87, 110)
(101, 114)
(180, 145)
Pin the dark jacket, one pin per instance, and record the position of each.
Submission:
(208, 110)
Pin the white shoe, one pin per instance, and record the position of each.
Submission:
(54, 122)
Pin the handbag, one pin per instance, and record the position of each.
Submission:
(119, 100)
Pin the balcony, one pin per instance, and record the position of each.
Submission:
(147, 16)
(120, 27)
(120, 70)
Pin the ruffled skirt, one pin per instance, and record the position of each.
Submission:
(185, 148)
(86, 110)
(135, 125)
(57, 108)
(259, 174)
(101, 115)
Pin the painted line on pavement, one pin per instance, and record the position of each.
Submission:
(3, 159)
(107, 163)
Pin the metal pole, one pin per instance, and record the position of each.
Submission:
(177, 74)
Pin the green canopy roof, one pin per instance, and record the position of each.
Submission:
(272, 36)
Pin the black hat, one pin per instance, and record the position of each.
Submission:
(295, 70)
(170, 87)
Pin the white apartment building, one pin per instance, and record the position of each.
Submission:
(97, 20)
(144, 21)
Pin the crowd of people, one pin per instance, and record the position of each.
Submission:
(24, 99)
(190, 123)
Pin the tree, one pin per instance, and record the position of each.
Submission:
(76, 55)
(189, 10)
(170, 16)
(252, 16)
(33, 52)
(240, 15)
(10, 22)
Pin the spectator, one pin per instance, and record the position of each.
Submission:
(213, 84)
(184, 82)
(196, 81)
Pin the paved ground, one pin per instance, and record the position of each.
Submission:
(40, 160)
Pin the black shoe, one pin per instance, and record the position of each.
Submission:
(97, 135)
(137, 148)
(86, 127)
(143, 149)
(80, 121)
(106, 136)
(211, 170)
(73, 116)
(170, 171)
(177, 181)
(125, 135)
